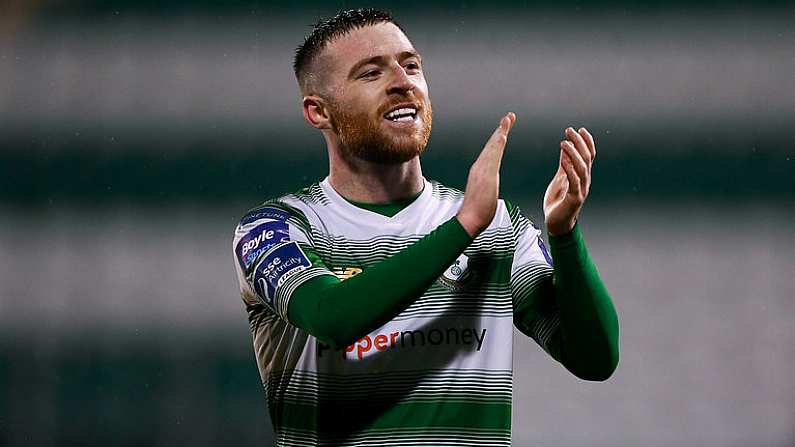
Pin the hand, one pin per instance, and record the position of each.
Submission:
(569, 187)
(483, 183)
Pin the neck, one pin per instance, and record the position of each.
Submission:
(367, 182)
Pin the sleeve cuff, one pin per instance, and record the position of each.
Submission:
(284, 292)
(458, 235)
(572, 239)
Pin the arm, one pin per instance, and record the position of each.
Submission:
(587, 341)
(319, 307)
(340, 312)
(278, 267)
(570, 314)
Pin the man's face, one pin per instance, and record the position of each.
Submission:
(373, 72)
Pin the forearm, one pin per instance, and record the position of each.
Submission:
(587, 342)
(341, 312)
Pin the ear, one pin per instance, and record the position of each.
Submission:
(315, 112)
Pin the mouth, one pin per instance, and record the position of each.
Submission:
(406, 113)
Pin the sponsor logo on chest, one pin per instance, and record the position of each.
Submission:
(468, 338)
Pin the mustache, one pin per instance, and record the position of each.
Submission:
(417, 102)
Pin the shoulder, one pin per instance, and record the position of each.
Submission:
(275, 222)
(519, 220)
(444, 192)
(289, 208)
(506, 215)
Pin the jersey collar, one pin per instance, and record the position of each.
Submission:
(361, 216)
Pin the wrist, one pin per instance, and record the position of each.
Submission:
(563, 242)
(469, 224)
(561, 229)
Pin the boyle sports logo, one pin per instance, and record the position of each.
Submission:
(259, 240)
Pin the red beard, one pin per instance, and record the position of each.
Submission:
(365, 139)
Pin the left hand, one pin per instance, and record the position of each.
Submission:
(569, 187)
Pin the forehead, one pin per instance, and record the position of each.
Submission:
(381, 39)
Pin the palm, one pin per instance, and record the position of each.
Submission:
(571, 183)
(555, 198)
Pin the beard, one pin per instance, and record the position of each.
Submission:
(364, 138)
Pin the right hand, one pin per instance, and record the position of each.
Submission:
(483, 184)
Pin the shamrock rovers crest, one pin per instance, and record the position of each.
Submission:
(456, 275)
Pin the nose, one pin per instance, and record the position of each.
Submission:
(400, 81)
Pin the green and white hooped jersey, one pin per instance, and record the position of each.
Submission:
(438, 374)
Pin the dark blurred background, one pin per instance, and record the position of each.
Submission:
(133, 135)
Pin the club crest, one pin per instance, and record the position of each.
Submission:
(456, 276)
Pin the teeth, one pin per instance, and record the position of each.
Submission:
(404, 114)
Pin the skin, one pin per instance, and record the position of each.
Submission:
(571, 183)
(358, 94)
(396, 81)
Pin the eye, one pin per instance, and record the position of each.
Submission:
(413, 66)
(370, 74)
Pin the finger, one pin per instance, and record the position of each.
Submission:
(575, 158)
(589, 140)
(579, 144)
(583, 171)
(571, 174)
(507, 122)
(500, 134)
(496, 144)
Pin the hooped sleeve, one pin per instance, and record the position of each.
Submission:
(566, 308)
(535, 311)
(274, 255)
(278, 266)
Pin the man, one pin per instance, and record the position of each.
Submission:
(381, 304)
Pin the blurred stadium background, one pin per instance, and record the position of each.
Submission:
(133, 134)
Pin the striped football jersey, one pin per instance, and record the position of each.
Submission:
(439, 373)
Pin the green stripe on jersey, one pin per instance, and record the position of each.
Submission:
(413, 421)
(461, 385)
(318, 395)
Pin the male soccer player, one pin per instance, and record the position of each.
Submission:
(382, 304)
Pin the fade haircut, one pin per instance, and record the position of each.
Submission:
(324, 32)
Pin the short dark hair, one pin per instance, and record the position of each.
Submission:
(325, 31)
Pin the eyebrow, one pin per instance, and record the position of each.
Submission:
(380, 59)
